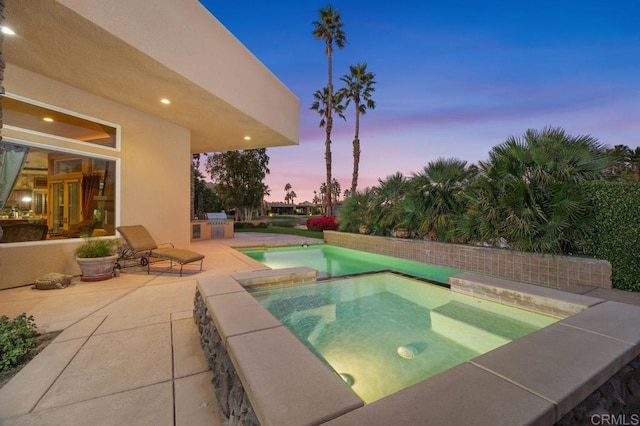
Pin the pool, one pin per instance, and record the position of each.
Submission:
(332, 261)
(384, 332)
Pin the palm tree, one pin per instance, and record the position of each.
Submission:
(320, 102)
(287, 197)
(388, 197)
(359, 86)
(442, 184)
(530, 192)
(356, 211)
(329, 29)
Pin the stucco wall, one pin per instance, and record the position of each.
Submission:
(153, 166)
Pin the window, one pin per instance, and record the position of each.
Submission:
(70, 193)
(18, 113)
(51, 192)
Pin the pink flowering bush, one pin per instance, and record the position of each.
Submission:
(322, 223)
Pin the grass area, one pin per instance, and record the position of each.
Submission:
(284, 231)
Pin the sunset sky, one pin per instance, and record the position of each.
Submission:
(454, 78)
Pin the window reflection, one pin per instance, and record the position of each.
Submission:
(58, 195)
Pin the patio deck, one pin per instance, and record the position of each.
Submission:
(130, 352)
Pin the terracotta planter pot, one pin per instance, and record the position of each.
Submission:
(97, 268)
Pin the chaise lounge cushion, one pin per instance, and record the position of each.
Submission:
(181, 256)
(140, 242)
(137, 237)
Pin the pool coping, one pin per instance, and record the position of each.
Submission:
(536, 379)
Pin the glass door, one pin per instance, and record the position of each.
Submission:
(66, 204)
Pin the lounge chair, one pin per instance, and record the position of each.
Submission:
(141, 244)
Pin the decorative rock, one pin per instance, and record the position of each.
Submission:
(52, 281)
(234, 402)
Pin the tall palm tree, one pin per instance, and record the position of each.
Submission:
(359, 86)
(329, 29)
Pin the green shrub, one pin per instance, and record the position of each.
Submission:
(616, 235)
(17, 338)
(96, 247)
(243, 225)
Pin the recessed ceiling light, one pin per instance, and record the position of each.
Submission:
(7, 30)
(165, 101)
(48, 119)
(247, 138)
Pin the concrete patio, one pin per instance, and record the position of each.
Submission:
(129, 352)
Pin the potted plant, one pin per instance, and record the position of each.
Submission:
(96, 258)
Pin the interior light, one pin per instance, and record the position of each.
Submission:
(26, 199)
(48, 119)
(165, 101)
(247, 138)
(7, 30)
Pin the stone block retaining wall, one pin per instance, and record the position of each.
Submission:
(618, 397)
(547, 270)
(233, 400)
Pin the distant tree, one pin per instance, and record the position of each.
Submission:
(359, 87)
(205, 197)
(195, 164)
(329, 29)
(335, 189)
(290, 195)
(239, 179)
(625, 163)
(287, 188)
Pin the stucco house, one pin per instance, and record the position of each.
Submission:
(106, 101)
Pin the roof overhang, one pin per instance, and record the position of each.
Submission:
(137, 52)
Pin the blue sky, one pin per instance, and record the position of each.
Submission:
(454, 78)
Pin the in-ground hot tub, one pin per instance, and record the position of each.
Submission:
(264, 374)
(384, 332)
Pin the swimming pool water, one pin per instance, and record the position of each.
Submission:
(332, 261)
(384, 332)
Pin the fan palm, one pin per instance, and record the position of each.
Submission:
(530, 192)
(386, 207)
(329, 29)
(356, 211)
(442, 184)
(359, 86)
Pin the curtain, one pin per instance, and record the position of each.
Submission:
(12, 159)
(90, 187)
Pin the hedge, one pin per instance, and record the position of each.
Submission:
(616, 236)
